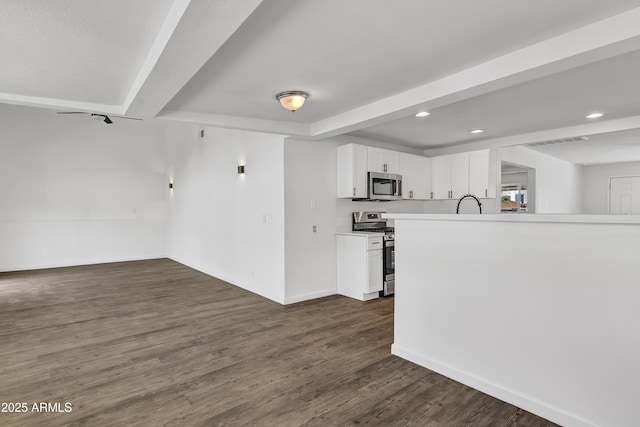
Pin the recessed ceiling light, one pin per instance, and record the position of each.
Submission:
(595, 115)
(476, 131)
(423, 114)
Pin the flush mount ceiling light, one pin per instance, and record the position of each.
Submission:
(595, 115)
(423, 114)
(476, 131)
(292, 100)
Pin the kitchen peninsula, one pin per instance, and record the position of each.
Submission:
(542, 311)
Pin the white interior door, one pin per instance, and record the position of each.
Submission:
(624, 195)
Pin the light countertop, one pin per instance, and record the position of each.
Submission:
(360, 233)
(541, 218)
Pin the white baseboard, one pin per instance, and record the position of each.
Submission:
(309, 296)
(222, 277)
(527, 403)
(75, 264)
(290, 300)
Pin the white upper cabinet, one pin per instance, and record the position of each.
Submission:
(450, 176)
(381, 160)
(455, 175)
(459, 175)
(423, 178)
(482, 177)
(352, 171)
(441, 177)
(416, 176)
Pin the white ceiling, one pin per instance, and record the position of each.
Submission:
(89, 51)
(524, 71)
(559, 100)
(609, 147)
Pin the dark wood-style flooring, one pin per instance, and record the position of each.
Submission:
(154, 343)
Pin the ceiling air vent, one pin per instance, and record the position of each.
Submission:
(557, 141)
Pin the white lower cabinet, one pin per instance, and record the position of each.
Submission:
(359, 265)
(374, 267)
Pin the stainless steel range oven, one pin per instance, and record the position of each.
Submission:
(388, 265)
(372, 222)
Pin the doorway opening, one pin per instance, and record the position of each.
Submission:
(624, 195)
(518, 189)
(514, 199)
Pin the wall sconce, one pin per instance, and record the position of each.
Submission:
(240, 169)
(292, 100)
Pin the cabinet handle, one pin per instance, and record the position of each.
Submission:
(354, 191)
(432, 194)
(486, 192)
(411, 194)
(384, 167)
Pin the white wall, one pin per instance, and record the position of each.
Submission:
(559, 340)
(345, 208)
(228, 225)
(515, 178)
(595, 184)
(310, 199)
(78, 191)
(310, 180)
(558, 182)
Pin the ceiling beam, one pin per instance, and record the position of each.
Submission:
(243, 123)
(58, 104)
(192, 33)
(604, 39)
(175, 15)
(597, 127)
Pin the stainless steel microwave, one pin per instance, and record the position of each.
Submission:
(385, 186)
